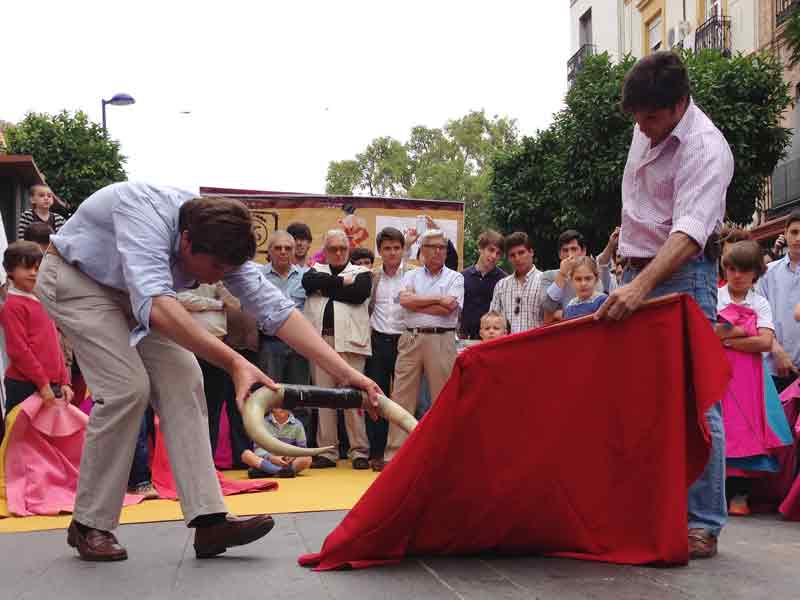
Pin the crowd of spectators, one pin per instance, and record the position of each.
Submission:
(402, 322)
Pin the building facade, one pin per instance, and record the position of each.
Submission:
(639, 27)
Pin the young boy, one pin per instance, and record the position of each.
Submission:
(284, 426)
(363, 257)
(41, 201)
(493, 326)
(36, 361)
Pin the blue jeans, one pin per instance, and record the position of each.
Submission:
(708, 508)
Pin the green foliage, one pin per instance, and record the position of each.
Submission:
(570, 175)
(448, 163)
(75, 155)
(791, 35)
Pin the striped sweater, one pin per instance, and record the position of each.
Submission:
(291, 432)
(28, 217)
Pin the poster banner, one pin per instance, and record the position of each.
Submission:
(361, 217)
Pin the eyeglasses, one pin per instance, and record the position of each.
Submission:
(336, 249)
(518, 307)
(435, 247)
(284, 248)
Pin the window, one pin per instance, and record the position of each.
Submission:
(654, 35)
(585, 31)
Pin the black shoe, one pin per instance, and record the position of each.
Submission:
(253, 473)
(286, 473)
(321, 462)
(360, 464)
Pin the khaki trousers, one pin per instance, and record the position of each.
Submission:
(431, 353)
(123, 379)
(327, 432)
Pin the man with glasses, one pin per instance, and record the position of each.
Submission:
(337, 305)
(520, 297)
(432, 299)
(275, 357)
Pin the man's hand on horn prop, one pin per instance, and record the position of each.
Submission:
(245, 375)
(362, 382)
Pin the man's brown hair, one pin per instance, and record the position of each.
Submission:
(26, 254)
(221, 227)
(746, 256)
(518, 238)
(490, 237)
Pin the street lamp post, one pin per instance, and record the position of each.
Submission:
(116, 100)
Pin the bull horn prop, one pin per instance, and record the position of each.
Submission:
(261, 401)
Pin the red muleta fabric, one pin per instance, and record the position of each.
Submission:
(577, 440)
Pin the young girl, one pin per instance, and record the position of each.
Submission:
(41, 201)
(746, 330)
(584, 279)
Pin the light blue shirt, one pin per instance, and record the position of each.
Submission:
(126, 236)
(781, 287)
(422, 283)
(292, 286)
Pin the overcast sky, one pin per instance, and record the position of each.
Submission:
(277, 90)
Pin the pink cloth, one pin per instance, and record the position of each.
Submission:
(165, 483)
(747, 431)
(42, 459)
(790, 507)
(223, 455)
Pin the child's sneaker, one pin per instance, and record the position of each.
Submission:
(145, 489)
(286, 472)
(739, 506)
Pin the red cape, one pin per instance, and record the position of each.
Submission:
(576, 440)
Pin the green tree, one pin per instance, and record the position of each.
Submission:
(570, 175)
(448, 163)
(75, 155)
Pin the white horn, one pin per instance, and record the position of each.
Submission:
(256, 408)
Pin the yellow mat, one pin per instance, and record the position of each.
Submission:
(311, 491)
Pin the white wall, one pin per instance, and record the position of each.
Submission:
(744, 25)
(605, 25)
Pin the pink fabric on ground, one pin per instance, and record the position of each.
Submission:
(747, 431)
(223, 456)
(790, 507)
(42, 458)
(165, 483)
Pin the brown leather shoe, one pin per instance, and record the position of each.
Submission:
(95, 545)
(235, 531)
(701, 544)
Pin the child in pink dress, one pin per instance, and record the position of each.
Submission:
(746, 330)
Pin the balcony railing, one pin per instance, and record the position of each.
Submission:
(575, 63)
(714, 34)
(784, 10)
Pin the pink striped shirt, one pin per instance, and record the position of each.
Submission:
(679, 185)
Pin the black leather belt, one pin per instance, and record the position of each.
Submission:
(388, 336)
(636, 263)
(416, 330)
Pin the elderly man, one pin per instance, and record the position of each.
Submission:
(275, 357)
(520, 296)
(336, 304)
(109, 280)
(673, 201)
(432, 297)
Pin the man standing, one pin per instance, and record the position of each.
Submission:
(301, 234)
(336, 305)
(781, 287)
(673, 201)
(519, 297)
(432, 297)
(116, 265)
(479, 283)
(386, 319)
(275, 357)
